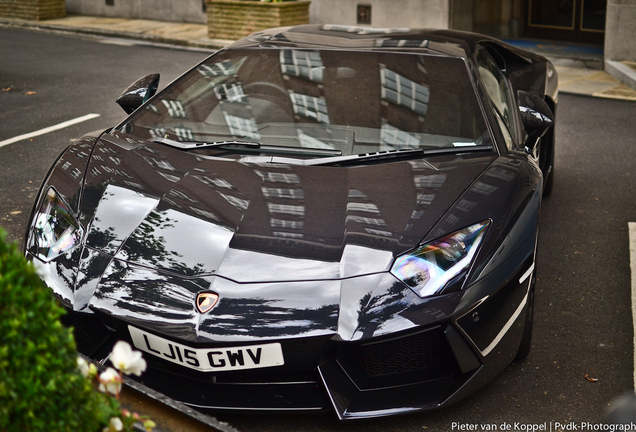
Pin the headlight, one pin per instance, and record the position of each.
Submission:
(55, 229)
(433, 266)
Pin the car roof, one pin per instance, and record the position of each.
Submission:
(331, 36)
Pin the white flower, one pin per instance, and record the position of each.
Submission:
(126, 360)
(87, 369)
(115, 425)
(82, 364)
(110, 381)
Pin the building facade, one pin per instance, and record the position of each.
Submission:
(583, 21)
(189, 11)
(570, 20)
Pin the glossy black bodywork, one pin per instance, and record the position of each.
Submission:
(162, 225)
(138, 93)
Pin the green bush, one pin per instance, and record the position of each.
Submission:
(41, 388)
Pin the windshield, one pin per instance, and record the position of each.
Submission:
(349, 102)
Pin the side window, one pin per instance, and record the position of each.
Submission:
(506, 134)
(497, 88)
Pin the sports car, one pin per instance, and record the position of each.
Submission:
(314, 218)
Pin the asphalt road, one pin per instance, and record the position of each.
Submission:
(48, 79)
(583, 322)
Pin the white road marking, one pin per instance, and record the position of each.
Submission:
(49, 129)
(632, 258)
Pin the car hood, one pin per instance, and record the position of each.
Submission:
(178, 212)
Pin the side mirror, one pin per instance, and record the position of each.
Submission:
(138, 92)
(537, 117)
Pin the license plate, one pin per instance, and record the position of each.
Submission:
(209, 359)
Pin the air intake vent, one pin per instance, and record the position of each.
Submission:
(414, 352)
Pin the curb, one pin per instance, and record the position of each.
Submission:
(621, 72)
(208, 45)
(169, 414)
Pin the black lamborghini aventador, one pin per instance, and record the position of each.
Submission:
(313, 218)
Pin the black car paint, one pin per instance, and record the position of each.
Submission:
(332, 301)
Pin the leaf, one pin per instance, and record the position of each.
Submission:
(590, 379)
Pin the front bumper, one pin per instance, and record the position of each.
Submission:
(427, 366)
(420, 369)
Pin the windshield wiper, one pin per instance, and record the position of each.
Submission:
(390, 155)
(189, 145)
(301, 151)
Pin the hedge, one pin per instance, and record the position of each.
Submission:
(41, 388)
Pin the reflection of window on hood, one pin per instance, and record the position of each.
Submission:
(175, 109)
(224, 68)
(230, 92)
(401, 91)
(302, 64)
(394, 138)
(313, 108)
(242, 127)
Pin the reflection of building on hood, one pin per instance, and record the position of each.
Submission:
(229, 207)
